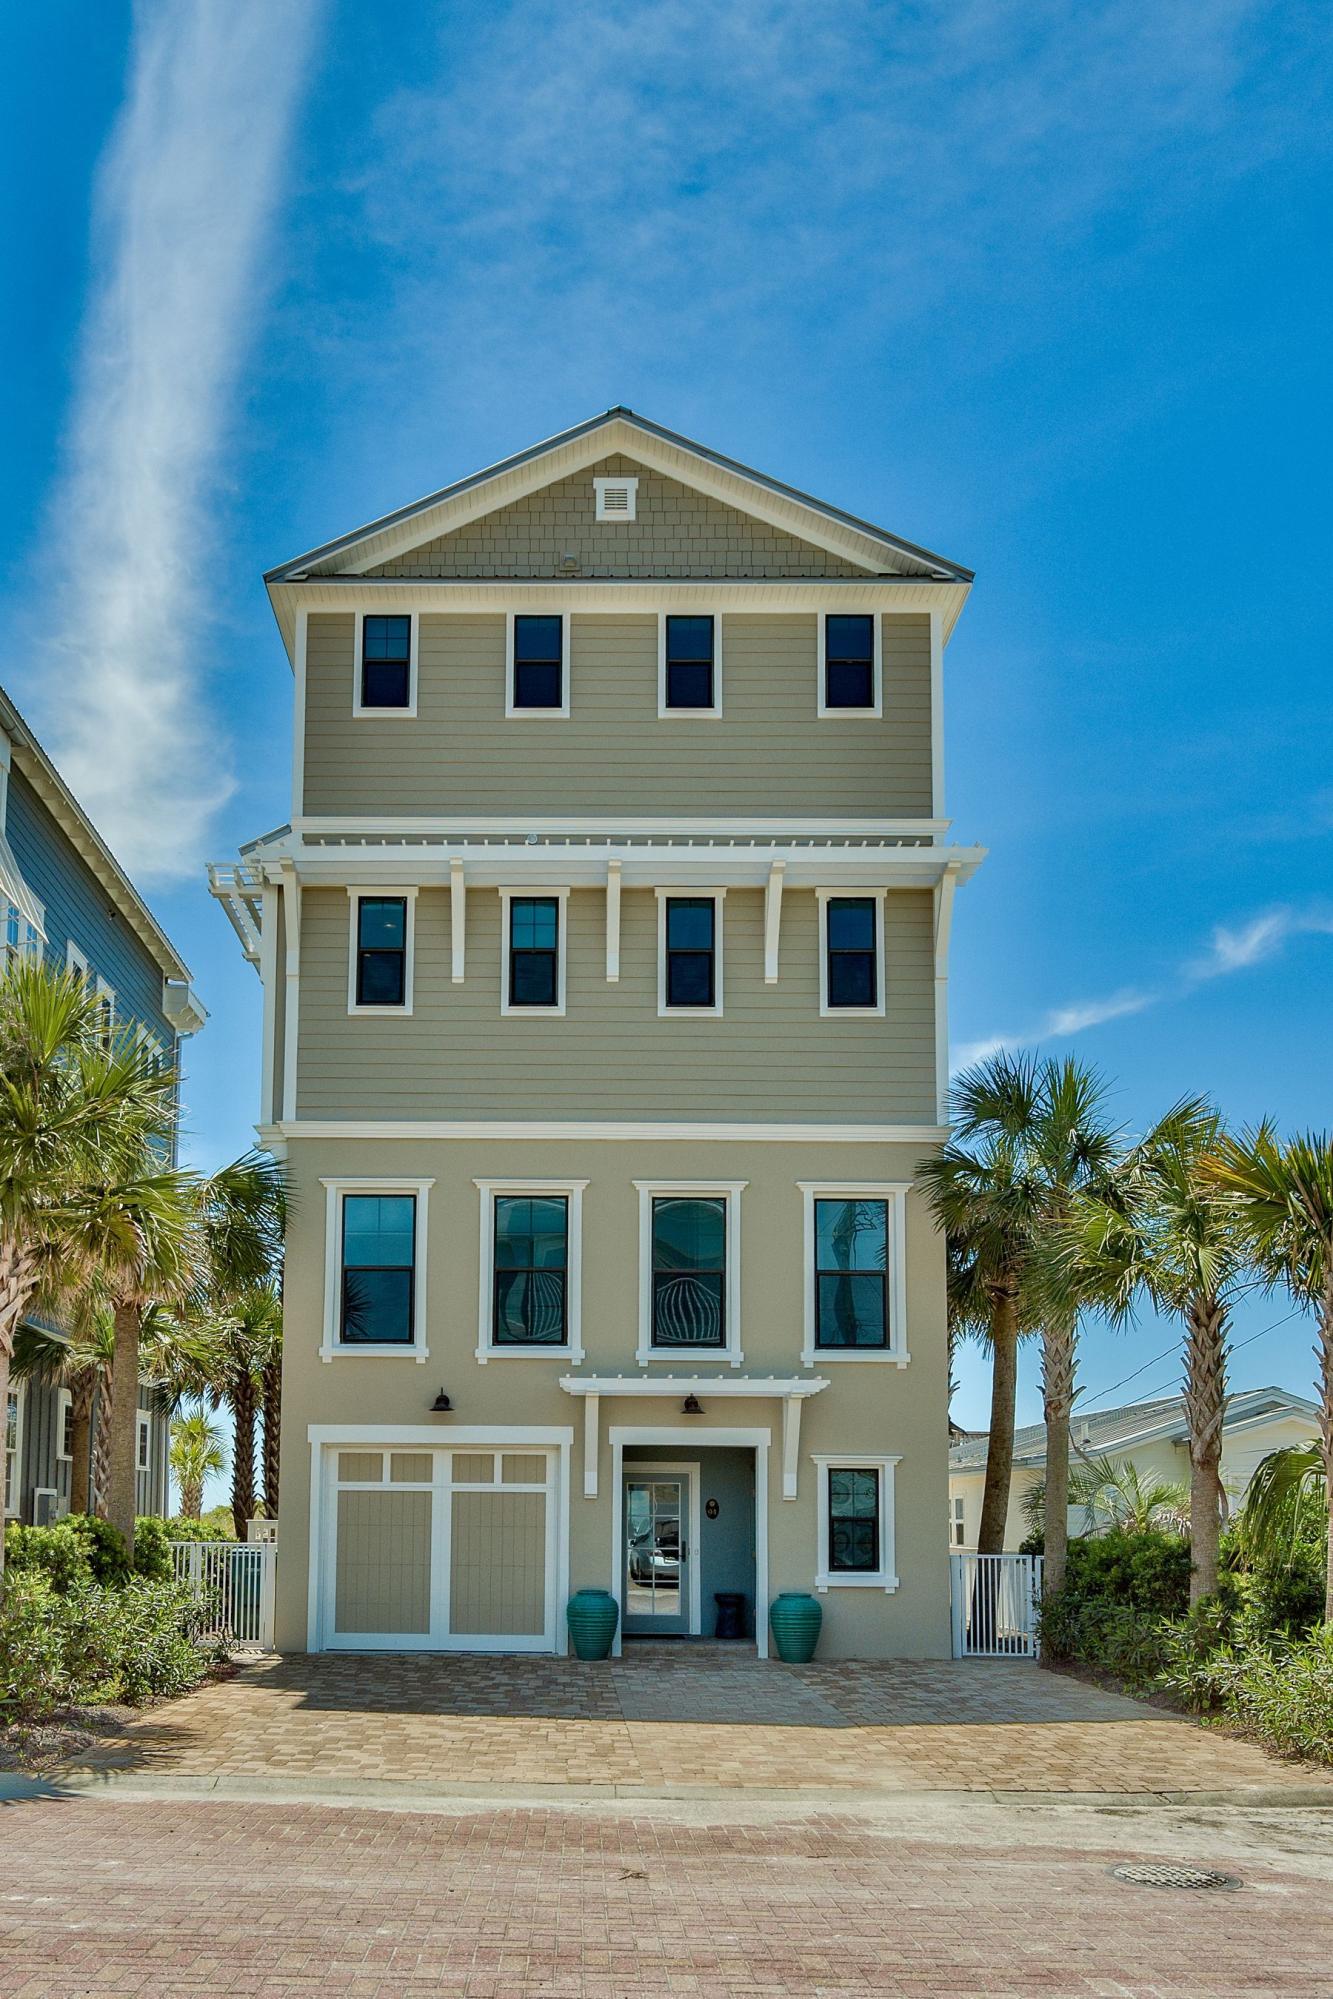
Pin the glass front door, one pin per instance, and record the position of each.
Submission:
(656, 1556)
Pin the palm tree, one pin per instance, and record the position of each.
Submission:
(1162, 1231)
(248, 1342)
(1027, 1136)
(196, 1454)
(270, 1395)
(1285, 1196)
(1113, 1492)
(1284, 1504)
(73, 1114)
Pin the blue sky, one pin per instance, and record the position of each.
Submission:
(1041, 286)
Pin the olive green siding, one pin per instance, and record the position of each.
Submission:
(870, 1407)
(770, 1057)
(768, 753)
(676, 532)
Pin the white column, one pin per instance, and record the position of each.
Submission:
(612, 922)
(291, 907)
(268, 978)
(791, 1443)
(944, 894)
(773, 921)
(590, 1445)
(457, 917)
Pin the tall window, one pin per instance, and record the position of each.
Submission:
(538, 662)
(853, 1520)
(381, 950)
(689, 1271)
(378, 1269)
(689, 676)
(852, 973)
(849, 662)
(691, 951)
(531, 1265)
(534, 950)
(11, 1492)
(851, 1273)
(145, 1424)
(386, 662)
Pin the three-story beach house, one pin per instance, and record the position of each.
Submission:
(604, 964)
(65, 898)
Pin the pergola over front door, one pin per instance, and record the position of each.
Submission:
(790, 1390)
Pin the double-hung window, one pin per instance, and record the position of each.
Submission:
(13, 1441)
(387, 666)
(375, 1270)
(688, 666)
(855, 1272)
(537, 665)
(855, 1506)
(689, 1270)
(849, 665)
(530, 1268)
(534, 952)
(851, 975)
(689, 953)
(381, 972)
(143, 1456)
(851, 1273)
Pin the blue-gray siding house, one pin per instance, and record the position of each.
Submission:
(63, 893)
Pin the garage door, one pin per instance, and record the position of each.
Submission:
(439, 1550)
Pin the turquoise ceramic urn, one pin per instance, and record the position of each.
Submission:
(592, 1616)
(794, 1619)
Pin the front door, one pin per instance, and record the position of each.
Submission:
(657, 1554)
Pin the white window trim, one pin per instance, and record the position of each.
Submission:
(335, 1192)
(716, 896)
(76, 961)
(64, 1405)
(107, 993)
(629, 486)
(408, 714)
(681, 1356)
(957, 1521)
(572, 1350)
(850, 894)
(665, 714)
(355, 897)
(895, 1193)
(885, 1576)
(143, 1442)
(560, 714)
(541, 893)
(19, 1391)
(875, 712)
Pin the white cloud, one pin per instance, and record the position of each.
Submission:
(1058, 1025)
(184, 196)
(1235, 950)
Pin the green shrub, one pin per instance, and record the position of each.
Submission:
(93, 1642)
(1285, 1697)
(58, 1552)
(108, 1557)
(152, 1554)
(1148, 1571)
(209, 1528)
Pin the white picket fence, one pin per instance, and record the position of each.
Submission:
(236, 1578)
(994, 1601)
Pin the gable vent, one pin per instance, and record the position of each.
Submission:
(617, 499)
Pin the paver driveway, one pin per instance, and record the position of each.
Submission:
(683, 1721)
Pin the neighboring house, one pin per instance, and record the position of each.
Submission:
(604, 971)
(65, 897)
(1154, 1435)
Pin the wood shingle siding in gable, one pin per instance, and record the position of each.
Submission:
(768, 753)
(770, 1057)
(676, 532)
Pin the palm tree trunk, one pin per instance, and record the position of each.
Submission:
(80, 1439)
(17, 1272)
(101, 1478)
(1324, 1351)
(244, 1408)
(272, 1435)
(1205, 1403)
(122, 1484)
(1057, 1384)
(192, 1498)
(1003, 1395)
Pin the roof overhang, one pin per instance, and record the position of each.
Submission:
(872, 549)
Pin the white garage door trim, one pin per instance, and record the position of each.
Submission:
(554, 1443)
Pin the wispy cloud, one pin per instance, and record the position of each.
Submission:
(1231, 948)
(185, 193)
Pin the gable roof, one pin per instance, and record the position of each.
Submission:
(74, 822)
(666, 450)
(1114, 1430)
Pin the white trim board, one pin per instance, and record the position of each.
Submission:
(400, 1131)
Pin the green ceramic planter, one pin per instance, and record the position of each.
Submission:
(592, 1616)
(794, 1619)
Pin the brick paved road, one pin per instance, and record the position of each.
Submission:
(161, 1899)
(687, 1720)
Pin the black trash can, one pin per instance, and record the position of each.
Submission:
(730, 1613)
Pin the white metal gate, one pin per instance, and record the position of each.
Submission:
(994, 1601)
(236, 1579)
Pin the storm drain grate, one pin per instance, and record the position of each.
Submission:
(1162, 1874)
